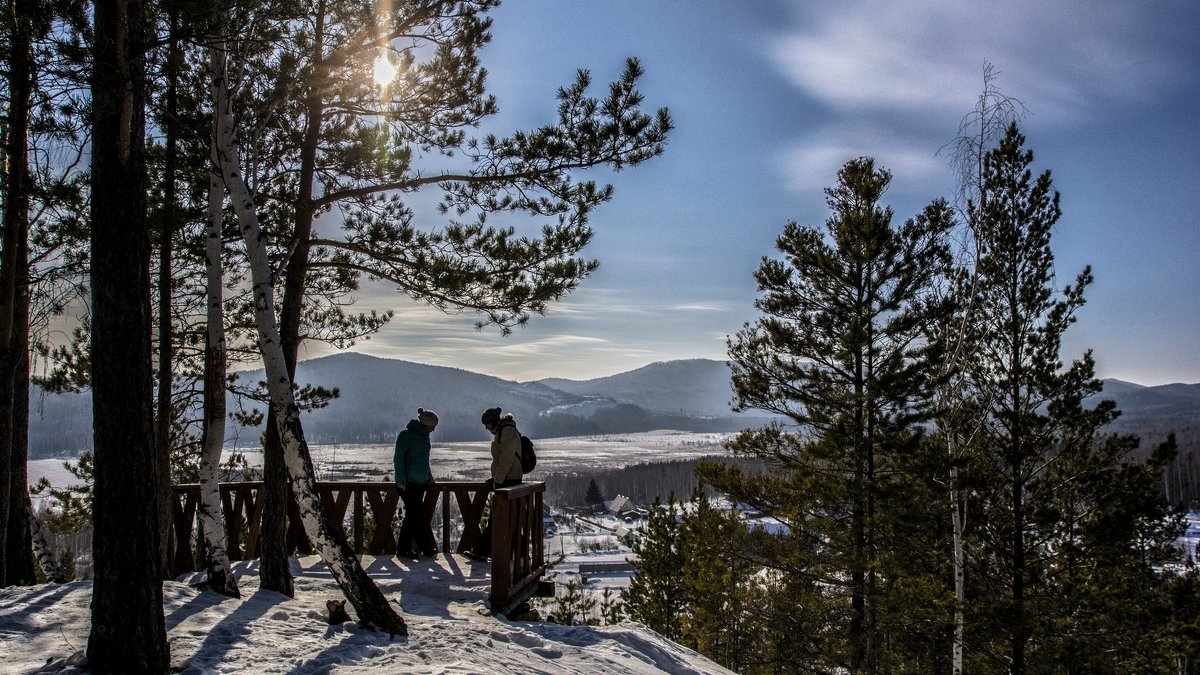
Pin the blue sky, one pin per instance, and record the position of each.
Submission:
(771, 97)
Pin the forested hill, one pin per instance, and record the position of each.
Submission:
(378, 396)
(1151, 413)
(693, 386)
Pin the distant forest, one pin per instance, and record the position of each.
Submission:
(642, 483)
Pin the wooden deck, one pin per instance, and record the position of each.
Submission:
(355, 510)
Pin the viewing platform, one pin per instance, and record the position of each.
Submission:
(354, 509)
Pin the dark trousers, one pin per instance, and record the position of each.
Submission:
(411, 528)
(484, 547)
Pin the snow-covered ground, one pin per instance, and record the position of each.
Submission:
(443, 600)
(1191, 539)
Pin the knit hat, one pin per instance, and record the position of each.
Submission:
(490, 416)
(427, 417)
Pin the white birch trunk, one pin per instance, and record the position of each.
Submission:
(958, 519)
(371, 605)
(41, 548)
(210, 515)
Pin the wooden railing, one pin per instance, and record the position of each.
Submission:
(518, 545)
(370, 508)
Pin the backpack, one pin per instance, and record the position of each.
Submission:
(528, 457)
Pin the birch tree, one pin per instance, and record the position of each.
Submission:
(958, 423)
(211, 516)
(371, 605)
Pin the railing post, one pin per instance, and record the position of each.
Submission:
(502, 526)
(358, 518)
(184, 499)
(445, 518)
(517, 545)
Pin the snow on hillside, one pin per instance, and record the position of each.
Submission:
(443, 600)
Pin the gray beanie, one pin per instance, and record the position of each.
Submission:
(490, 416)
(427, 417)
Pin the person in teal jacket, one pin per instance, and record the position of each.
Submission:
(413, 477)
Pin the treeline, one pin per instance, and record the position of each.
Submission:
(643, 483)
(948, 501)
(1181, 481)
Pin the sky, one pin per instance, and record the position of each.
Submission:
(771, 97)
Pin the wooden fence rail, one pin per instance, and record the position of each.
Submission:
(364, 505)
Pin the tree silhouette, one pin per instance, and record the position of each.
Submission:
(594, 495)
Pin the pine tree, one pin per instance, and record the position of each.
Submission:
(594, 495)
(840, 352)
(612, 611)
(657, 593)
(42, 213)
(717, 573)
(573, 607)
(1181, 604)
(19, 20)
(1061, 510)
(128, 631)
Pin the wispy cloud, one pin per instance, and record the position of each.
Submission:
(699, 308)
(811, 164)
(922, 56)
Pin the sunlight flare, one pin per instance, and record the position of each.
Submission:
(384, 71)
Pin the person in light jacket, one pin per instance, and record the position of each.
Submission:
(413, 477)
(506, 467)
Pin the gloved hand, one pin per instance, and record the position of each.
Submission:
(489, 485)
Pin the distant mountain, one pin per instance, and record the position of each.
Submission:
(379, 396)
(1150, 413)
(689, 387)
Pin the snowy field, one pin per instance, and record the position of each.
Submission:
(470, 461)
(1191, 538)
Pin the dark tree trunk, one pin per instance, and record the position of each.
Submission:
(274, 571)
(19, 540)
(128, 632)
(166, 337)
(16, 229)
